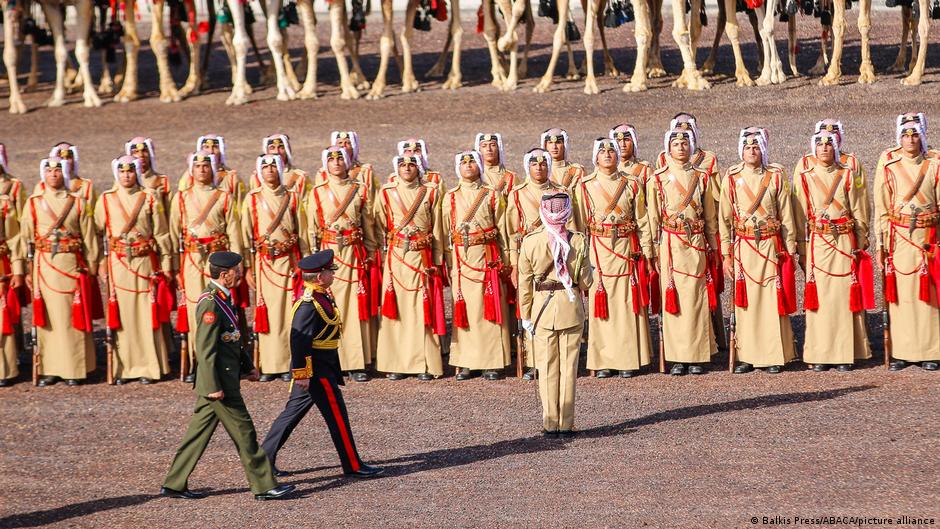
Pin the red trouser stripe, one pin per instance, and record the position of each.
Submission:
(341, 423)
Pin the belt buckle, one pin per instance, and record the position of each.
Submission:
(341, 241)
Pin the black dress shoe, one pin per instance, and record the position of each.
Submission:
(266, 378)
(360, 376)
(773, 370)
(603, 373)
(696, 369)
(677, 369)
(743, 368)
(278, 473)
(286, 377)
(928, 366)
(366, 471)
(897, 365)
(277, 492)
(529, 374)
(4, 382)
(121, 381)
(190, 378)
(47, 381)
(184, 494)
(145, 381)
(463, 374)
(425, 376)
(550, 434)
(490, 374)
(396, 376)
(819, 368)
(72, 382)
(567, 433)
(844, 368)
(627, 373)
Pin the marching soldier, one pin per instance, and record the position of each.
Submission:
(274, 228)
(553, 270)
(83, 187)
(895, 151)
(59, 226)
(613, 208)
(409, 214)
(227, 179)
(142, 148)
(683, 216)
(418, 147)
(135, 272)
(831, 217)
(338, 219)
(907, 189)
(522, 218)
(221, 363)
(564, 173)
(473, 211)
(758, 236)
(295, 180)
(704, 160)
(490, 148)
(203, 220)
(12, 271)
(316, 325)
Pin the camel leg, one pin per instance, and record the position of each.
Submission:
(408, 81)
(610, 69)
(386, 45)
(709, 66)
(454, 80)
(838, 38)
(312, 45)
(338, 32)
(11, 28)
(194, 81)
(158, 43)
(509, 41)
(83, 23)
(239, 95)
(690, 78)
(923, 31)
(590, 83)
(772, 71)
(278, 47)
(573, 70)
(557, 41)
(438, 69)
(32, 80)
(642, 31)
(755, 27)
(57, 26)
(900, 63)
(655, 55)
(695, 28)
(490, 31)
(356, 75)
(822, 61)
(866, 71)
(791, 46)
(529, 30)
(128, 91)
(741, 75)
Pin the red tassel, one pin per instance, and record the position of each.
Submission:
(78, 312)
(754, 4)
(866, 278)
(788, 283)
(154, 315)
(262, 324)
(781, 298)
(426, 304)
(182, 318)
(672, 298)
(740, 291)
(711, 291)
(114, 314)
(643, 276)
(240, 295)
(635, 295)
(600, 303)
(480, 20)
(460, 313)
(810, 295)
(891, 282)
(855, 296)
(492, 311)
(437, 301)
(362, 298)
(7, 327)
(924, 294)
(714, 264)
(13, 306)
(298, 285)
(165, 301)
(390, 303)
(39, 309)
(655, 294)
(375, 285)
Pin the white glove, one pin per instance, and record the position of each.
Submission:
(529, 327)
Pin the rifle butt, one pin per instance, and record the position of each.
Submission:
(256, 353)
(110, 363)
(662, 346)
(732, 350)
(184, 357)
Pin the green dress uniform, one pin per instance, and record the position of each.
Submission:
(220, 362)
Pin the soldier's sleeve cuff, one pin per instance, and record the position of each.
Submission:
(305, 372)
(19, 267)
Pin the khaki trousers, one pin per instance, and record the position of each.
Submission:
(556, 358)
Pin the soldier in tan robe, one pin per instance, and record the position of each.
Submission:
(757, 237)
(12, 271)
(522, 217)
(626, 137)
(295, 180)
(831, 215)
(60, 227)
(134, 225)
(274, 230)
(683, 217)
(907, 209)
(142, 148)
(495, 174)
(83, 187)
(473, 213)
(227, 178)
(203, 219)
(564, 173)
(418, 147)
(894, 151)
(408, 213)
(338, 219)
(704, 160)
(553, 270)
(613, 207)
(846, 159)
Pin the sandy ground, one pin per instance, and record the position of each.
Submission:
(655, 451)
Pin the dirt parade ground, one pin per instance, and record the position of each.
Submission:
(798, 449)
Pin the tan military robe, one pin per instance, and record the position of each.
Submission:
(499, 178)
(195, 241)
(483, 344)
(295, 180)
(618, 233)
(159, 184)
(228, 181)
(346, 227)
(12, 262)
(915, 325)
(406, 344)
(701, 159)
(566, 174)
(65, 351)
(894, 152)
(276, 248)
(764, 338)
(139, 351)
(432, 177)
(683, 217)
(557, 340)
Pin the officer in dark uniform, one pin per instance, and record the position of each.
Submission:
(314, 339)
(220, 362)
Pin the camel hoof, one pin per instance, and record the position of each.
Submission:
(572, 76)
(452, 83)
(55, 101)
(817, 70)
(830, 80)
(633, 87)
(762, 81)
(286, 95)
(237, 98)
(17, 107)
(911, 80)
(92, 100)
(31, 86)
(126, 96)
(744, 80)
(656, 72)
(349, 92)
(106, 88)
(307, 94)
(171, 95)
(543, 86)
(867, 77)
(590, 87)
(410, 86)
(510, 85)
(377, 92)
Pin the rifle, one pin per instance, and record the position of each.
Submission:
(256, 354)
(520, 349)
(662, 342)
(885, 317)
(108, 336)
(34, 334)
(732, 319)
(184, 336)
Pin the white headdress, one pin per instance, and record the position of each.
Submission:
(334, 148)
(136, 141)
(685, 121)
(353, 139)
(904, 119)
(628, 130)
(3, 159)
(552, 134)
(127, 160)
(56, 152)
(919, 129)
(406, 158)
(825, 136)
(686, 134)
(605, 143)
(760, 137)
(410, 143)
(489, 136)
(202, 156)
(55, 161)
(533, 154)
(216, 138)
(285, 140)
(458, 158)
(266, 159)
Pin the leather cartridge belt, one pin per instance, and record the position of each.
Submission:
(475, 238)
(414, 242)
(612, 230)
(342, 238)
(922, 220)
(840, 226)
(67, 244)
(274, 249)
(206, 245)
(548, 285)
(677, 225)
(138, 248)
(229, 337)
(765, 229)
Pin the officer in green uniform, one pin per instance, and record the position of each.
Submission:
(220, 363)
